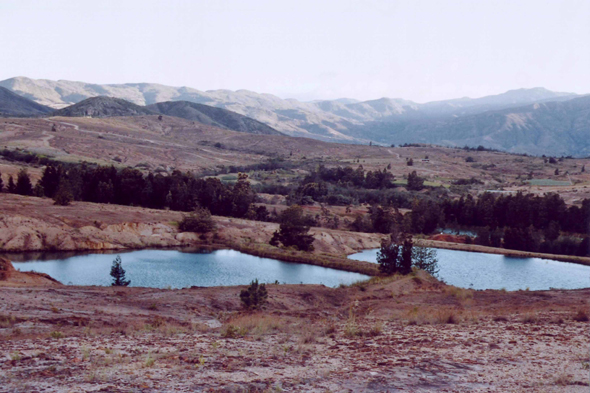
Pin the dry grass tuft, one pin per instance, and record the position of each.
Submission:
(581, 316)
(459, 293)
(530, 318)
(255, 324)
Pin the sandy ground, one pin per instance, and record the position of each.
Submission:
(402, 334)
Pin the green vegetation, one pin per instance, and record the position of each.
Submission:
(398, 256)
(394, 257)
(548, 182)
(255, 296)
(293, 230)
(118, 274)
(101, 184)
(199, 220)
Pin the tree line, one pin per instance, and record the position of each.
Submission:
(107, 184)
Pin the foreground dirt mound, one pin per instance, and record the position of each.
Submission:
(409, 333)
(9, 276)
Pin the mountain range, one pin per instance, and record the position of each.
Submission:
(536, 121)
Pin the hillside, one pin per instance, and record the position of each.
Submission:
(551, 128)
(103, 107)
(463, 121)
(12, 104)
(212, 116)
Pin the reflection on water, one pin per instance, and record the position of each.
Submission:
(176, 269)
(491, 271)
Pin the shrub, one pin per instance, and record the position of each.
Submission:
(581, 316)
(200, 220)
(255, 296)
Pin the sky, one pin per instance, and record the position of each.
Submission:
(419, 50)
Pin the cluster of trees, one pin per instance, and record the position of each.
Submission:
(518, 211)
(178, 191)
(347, 186)
(425, 217)
(398, 255)
(23, 185)
(519, 222)
(294, 230)
(348, 176)
(547, 241)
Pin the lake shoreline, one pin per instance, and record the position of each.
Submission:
(500, 251)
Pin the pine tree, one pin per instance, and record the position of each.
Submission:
(425, 259)
(255, 296)
(293, 230)
(23, 183)
(118, 274)
(63, 196)
(388, 257)
(415, 182)
(406, 256)
(11, 186)
(38, 190)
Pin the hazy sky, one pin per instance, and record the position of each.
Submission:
(418, 50)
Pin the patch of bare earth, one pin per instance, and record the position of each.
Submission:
(408, 334)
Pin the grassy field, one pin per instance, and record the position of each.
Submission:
(548, 182)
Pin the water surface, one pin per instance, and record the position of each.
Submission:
(492, 271)
(176, 269)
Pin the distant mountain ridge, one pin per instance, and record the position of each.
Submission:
(12, 104)
(383, 120)
(556, 128)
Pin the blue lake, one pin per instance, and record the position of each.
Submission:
(491, 271)
(176, 269)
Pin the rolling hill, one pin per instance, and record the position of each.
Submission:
(103, 107)
(12, 104)
(212, 116)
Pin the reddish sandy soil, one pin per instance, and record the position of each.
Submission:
(407, 334)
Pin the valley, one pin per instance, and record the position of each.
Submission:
(410, 332)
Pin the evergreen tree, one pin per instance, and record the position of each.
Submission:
(294, 230)
(243, 196)
(393, 257)
(118, 273)
(11, 186)
(63, 196)
(425, 259)
(389, 258)
(406, 256)
(415, 183)
(551, 232)
(23, 183)
(50, 180)
(255, 296)
(38, 190)
(199, 220)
